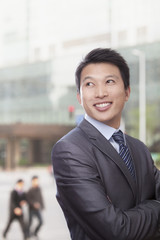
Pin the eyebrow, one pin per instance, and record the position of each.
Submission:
(108, 76)
(86, 78)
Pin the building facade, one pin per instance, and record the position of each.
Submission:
(42, 41)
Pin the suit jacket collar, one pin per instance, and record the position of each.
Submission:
(100, 142)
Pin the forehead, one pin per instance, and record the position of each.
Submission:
(97, 69)
(34, 179)
(20, 183)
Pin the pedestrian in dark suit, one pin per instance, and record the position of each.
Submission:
(36, 204)
(17, 200)
(107, 184)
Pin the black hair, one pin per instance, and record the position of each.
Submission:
(20, 181)
(34, 177)
(104, 55)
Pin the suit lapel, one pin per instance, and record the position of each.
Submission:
(135, 156)
(100, 142)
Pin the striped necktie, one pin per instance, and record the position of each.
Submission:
(124, 152)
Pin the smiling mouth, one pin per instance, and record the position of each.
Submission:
(102, 105)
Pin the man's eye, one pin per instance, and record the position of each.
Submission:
(89, 84)
(110, 81)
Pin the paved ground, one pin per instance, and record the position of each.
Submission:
(54, 227)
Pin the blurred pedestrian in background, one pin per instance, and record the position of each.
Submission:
(36, 204)
(17, 200)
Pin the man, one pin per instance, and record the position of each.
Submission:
(17, 200)
(36, 204)
(107, 184)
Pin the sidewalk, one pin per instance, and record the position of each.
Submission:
(54, 227)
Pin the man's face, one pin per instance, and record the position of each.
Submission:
(35, 182)
(20, 186)
(102, 93)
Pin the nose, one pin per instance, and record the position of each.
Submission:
(101, 92)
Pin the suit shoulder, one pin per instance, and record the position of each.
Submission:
(76, 141)
(136, 142)
(74, 136)
(13, 192)
(133, 139)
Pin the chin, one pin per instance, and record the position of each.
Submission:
(102, 120)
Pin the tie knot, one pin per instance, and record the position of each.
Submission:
(118, 137)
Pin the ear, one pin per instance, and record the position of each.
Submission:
(79, 97)
(127, 92)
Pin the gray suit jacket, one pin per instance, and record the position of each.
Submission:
(99, 198)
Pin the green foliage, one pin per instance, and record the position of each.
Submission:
(156, 158)
(1, 162)
(152, 122)
(23, 162)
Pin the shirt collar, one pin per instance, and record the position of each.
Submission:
(104, 129)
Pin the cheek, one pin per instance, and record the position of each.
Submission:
(86, 101)
(84, 96)
(79, 98)
(120, 98)
(120, 94)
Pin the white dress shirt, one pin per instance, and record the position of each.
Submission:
(105, 130)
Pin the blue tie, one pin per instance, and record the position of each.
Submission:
(124, 152)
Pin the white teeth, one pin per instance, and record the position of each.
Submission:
(101, 105)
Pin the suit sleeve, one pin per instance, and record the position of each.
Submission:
(13, 200)
(81, 191)
(157, 187)
(41, 200)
